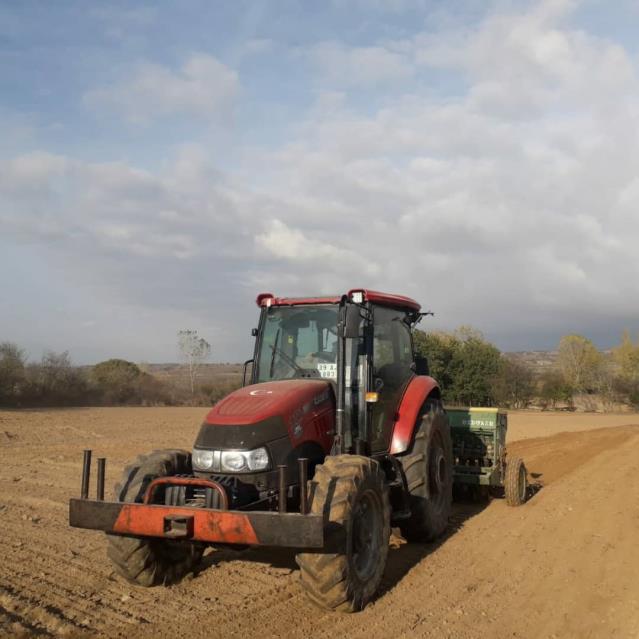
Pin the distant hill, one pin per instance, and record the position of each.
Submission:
(176, 373)
(538, 361)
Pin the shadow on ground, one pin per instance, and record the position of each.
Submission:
(402, 556)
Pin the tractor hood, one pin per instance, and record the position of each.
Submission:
(255, 415)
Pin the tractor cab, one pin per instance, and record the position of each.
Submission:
(361, 343)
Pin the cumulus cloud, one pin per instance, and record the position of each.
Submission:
(508, 203)
(203, 87)
(509, 200)
(359, 67)
(114, 206)
(283, 242)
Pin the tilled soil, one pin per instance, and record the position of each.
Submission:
(565, 564)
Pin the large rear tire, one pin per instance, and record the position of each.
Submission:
(352, 494)
(428, 467)
(151, 562)
(515, 482)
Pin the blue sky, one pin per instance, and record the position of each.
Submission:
(163, 162)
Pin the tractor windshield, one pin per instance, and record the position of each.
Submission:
(298, 341)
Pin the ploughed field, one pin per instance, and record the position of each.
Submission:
(566, 564)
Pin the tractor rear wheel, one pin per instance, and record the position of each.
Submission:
(151, 562)
(352, 494)
(515, 482)
(428, 467)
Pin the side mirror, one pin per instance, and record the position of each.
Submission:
(254, 332)
(353, 320)
(246, 363)
(421, 365)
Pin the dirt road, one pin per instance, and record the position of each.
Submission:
(563, 565)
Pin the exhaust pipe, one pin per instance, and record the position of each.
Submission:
(101, 470)
(86, 474)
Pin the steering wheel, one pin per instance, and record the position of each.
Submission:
(324, 356)
(299, 371)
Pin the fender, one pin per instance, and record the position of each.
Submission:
(418, 389)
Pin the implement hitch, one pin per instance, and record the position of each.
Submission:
(212, 525)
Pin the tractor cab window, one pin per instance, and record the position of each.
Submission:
(392, 360)
(392, 346)
(298, 341)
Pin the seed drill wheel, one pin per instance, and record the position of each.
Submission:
(515, 482)
(351, 492)
(428, 467)
(150, 562)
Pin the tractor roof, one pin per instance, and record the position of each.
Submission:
(384, 299)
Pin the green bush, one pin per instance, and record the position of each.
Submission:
(514, 385)
(555, 390)
(464, 364)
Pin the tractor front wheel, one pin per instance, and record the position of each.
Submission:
(515, 482)
(151, 562)
(351, 492)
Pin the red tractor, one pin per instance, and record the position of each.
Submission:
(340, 435)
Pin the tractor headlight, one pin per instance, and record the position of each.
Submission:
(203, 459)
(238, 461)
(258, 459)
(235, 461)
(231, 461)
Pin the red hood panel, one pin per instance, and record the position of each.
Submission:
(257, 402)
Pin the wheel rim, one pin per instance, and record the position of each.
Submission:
(522, 483)
(437, 474)
(366, 535)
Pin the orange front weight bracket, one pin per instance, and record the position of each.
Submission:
(262, 528)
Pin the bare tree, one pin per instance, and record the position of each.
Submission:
(194, 350)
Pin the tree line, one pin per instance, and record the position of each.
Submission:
(470, 370)
(55, 381)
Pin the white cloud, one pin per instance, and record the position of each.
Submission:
(509, 202)
(359, 67)
(283, 242)
(203, 87)
(512, 198)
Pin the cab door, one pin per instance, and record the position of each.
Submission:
(392, 364)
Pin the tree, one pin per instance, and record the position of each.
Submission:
(194, 350)
(578, 361)
(463, 363)
(555, 389)
(55, 381)
(626, 356)
(513, 386)
(117, 379)
(438, 348)
(606, 383)
(473, 367)
(12, 373)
